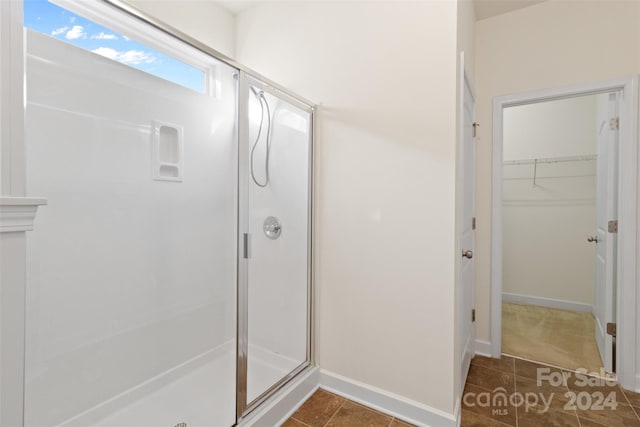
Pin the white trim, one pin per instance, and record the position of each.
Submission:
(278, 408)
(457, 412)
(12, 149)
(628, 321)
(547, 302)
(483, 348)
(13, 244)
(495, 306)
(400, 407)
(18, 213)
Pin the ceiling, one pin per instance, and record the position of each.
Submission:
(484, 8)
(235, 6)
(488, 8)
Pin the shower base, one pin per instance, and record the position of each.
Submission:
(201, 394)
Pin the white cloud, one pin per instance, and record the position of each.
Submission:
(59, 31)
(104, 36)
(134, 57)
(72, 19)
(107, 52)
(76, 32)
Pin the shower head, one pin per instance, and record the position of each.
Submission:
(255, 91)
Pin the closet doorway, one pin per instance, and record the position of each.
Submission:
(619, 302)
(556, 187)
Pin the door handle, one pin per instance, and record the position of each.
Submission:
(593, 239)
(246, 245)
(467, 254)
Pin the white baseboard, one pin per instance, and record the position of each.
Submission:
(383, 401)
(636, 387)
(458, 411)
(285, 402)
(547, 302)
(483, 348)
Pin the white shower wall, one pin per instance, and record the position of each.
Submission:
(128, 277)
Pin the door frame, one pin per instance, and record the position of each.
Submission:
(627, 321)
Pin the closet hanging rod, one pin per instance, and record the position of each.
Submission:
(538, 178)
(550, 160)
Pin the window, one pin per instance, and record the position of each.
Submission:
(47, 18)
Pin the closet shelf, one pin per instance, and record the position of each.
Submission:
(550, 160)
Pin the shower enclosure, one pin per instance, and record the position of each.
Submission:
(168, 279)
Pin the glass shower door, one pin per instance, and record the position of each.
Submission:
(275, 150)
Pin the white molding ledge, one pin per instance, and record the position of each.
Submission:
(18, 213)
(547, 302)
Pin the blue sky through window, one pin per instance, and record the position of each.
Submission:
(47, 18)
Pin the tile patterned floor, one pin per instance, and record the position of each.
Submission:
(577, 400)
(488, 379)
(324, 409)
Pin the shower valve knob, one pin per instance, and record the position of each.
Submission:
(272, 227)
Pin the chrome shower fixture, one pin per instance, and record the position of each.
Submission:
(264, 104)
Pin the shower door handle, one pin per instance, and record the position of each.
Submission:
(246, 245)
(467, 254)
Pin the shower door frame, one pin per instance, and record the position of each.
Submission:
(244, 408)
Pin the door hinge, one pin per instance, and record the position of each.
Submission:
(613, 226)
(611, 329)
(476, 125)
(473, 223)
(614, 123)
(473, 314)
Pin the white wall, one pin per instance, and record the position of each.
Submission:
(201, 19)
(550, 44)
(385, 76)
(546, 253)
(559, 128)
(128, 277)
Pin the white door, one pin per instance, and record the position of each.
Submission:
(606, 193)
(467, 227)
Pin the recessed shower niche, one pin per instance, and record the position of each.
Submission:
(167, 142)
